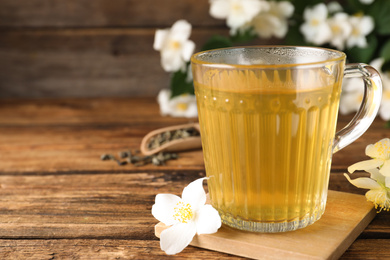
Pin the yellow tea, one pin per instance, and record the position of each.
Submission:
(267, 150)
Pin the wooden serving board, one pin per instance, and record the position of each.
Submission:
(345, 217)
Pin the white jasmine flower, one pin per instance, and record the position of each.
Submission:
(187, 216)
(380, 154)
(274, 21)
(334, 7)
(351, 96)
(384, 109)
(366, 2)
(175, 47)
(379, 188)
(179, 106)
(361, 27)
(316, 29)
(236, 12)
(341, 29)
(353, 92)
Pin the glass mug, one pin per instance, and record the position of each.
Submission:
(267, 118)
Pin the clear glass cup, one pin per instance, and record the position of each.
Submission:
(267, 117)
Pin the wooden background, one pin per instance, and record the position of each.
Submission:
(91, 48)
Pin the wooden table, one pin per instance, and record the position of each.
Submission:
(58, 200)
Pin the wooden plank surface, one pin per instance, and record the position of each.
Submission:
(144, 249)
(83, 129)
(92, 48)
(81, 63)
(104, 13)
(58, 199)
(84, 62)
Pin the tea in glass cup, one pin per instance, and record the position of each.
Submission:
(267, 118)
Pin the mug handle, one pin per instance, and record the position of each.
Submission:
(368, 109)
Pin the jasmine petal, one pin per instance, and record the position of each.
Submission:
(237, 12)
(273, 22)
(163, 209)
(365, 165)
(208, 220)
(385, 169)
(363, 183)
(174, 239)
(376, 175)
(194, 194)
(384, 109)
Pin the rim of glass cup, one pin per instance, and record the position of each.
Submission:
(341, 56)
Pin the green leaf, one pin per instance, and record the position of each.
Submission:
(217, 41)
(180, 84)
(300, 5)
(385, 51)
(353, 6)
(386, 66)
(387, 124)
(244, 36)
(364, 55)
(380, 11)
(295, 37)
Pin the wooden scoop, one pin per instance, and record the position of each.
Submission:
(182, 144)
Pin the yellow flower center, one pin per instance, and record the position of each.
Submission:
(314, 22)
(379, 198)
(382, 148)
(175, 45)
(237, 7)
(181, 106)
(336, 29)
(183, 212)
(359, 14)
(386, 95)
(355, 31)
(359, 98)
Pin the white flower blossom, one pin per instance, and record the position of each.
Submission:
(341, 29)
(273, 22)
(353, 92)
(351, 96)
(315, 28)
(175, 47)
(334, 7)
(179, 106)
(187, 216)
(384, 109)
(380, 154)
(379, 188)
(361, 27)
(367, 2)
(237, 12)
